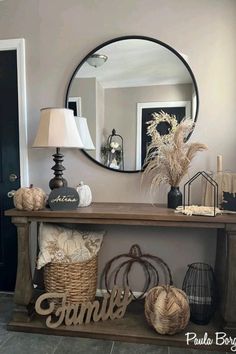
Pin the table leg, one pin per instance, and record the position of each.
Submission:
(24, 286)
(225, 268)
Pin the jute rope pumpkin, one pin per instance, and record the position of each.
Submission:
(167, 309)
(32, 198)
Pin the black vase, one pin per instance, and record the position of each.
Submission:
(174, 198)
(200, 286)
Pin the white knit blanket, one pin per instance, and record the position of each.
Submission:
(198, 210)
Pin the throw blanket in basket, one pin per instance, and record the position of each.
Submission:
(62, 244)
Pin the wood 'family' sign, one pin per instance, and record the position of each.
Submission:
(113, 306)
(65, 198)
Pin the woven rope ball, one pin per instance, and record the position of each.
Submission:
(32, 198)
(167, 309)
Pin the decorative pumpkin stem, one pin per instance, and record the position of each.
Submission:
(135, 251)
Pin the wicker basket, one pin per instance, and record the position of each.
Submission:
(78, 280)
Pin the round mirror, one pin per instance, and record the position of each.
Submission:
(117, 88)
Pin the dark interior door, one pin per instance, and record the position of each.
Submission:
(162, 128)
(9, 165)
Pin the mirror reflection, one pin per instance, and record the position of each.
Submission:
(118, 88)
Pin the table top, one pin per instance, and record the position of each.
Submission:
(125, 213)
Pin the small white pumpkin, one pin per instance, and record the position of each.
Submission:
(32, 198)
(85, 194)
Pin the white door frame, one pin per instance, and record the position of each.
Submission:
(19, 45)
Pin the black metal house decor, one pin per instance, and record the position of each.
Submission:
(200, 286)
(209, 179)
(113, 151)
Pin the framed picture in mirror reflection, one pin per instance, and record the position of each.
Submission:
(179, 109)
(74, 103)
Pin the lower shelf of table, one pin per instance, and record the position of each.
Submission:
(132, 328)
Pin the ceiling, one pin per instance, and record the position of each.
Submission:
(137, 62)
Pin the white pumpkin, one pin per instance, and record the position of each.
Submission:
(32, 198)
(85, 194)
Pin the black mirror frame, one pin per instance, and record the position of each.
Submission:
(124, 38)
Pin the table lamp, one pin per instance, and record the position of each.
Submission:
(58, 129)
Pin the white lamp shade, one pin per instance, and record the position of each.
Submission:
(84, 133)
(57, 128)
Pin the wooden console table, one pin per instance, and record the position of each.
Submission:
(133, 326)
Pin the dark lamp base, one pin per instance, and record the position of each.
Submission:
(57, 183)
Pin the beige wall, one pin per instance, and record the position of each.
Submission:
(121, 111)
(60, 33)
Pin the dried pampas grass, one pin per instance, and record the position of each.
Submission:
(168, 159)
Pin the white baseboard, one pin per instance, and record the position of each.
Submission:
(101, 292)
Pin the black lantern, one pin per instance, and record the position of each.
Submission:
(113, 151)
(200, 286)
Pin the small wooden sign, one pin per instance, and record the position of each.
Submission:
(112, 306)
(64, 198)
